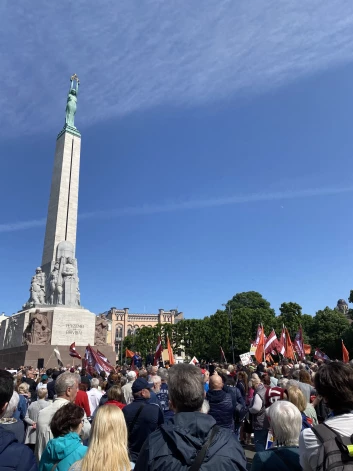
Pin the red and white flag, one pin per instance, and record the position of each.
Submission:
(271, 342)
(258, 335)
(194, 361)
(299, 344)
(158, 353)
(281, 346)
(95, 362)
(73, 352)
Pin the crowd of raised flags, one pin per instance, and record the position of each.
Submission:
(264, 346)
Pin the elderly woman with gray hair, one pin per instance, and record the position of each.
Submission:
(286, 423)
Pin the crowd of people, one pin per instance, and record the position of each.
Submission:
(296, 416)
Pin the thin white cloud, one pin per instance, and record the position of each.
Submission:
(135, 55)
(186, 205)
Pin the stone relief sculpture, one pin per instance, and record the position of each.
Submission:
(37, 331)
(37, 289)
(10, 332)
(101, 330)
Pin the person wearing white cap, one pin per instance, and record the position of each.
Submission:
(127, 388)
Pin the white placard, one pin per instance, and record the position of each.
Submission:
(245, 358)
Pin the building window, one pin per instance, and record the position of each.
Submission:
(119, 332)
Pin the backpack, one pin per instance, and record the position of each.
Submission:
(338, 450)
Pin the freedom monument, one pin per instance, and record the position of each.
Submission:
(53, 315)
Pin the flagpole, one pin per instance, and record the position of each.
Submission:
(52, 353)
(263, 336)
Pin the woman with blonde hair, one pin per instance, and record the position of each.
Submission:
(296, 397)
(107, 448)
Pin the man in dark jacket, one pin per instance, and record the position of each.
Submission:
(29, 379)
(13, 455)
(178, 443)
(221, 404)
(51, 385)
(142, 418)
(149, 359)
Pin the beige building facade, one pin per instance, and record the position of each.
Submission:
(123, 323)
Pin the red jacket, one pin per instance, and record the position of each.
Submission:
(82, 401)
(116, 403)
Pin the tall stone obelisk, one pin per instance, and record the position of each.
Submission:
(63, 202)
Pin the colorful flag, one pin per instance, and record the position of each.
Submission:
(104, 358)
(223, 355)
(299, 344)
(129, 353)
(319, 355)
(345, 354)
(271, 342)
(170, 352)
(159, 350)
(260, 349)
(95, 362)
(307, 349)
(73, 353)
(281, 346)
(194, 361)
(58, 356)
(289, 352)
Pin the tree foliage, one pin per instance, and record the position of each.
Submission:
(204, 337)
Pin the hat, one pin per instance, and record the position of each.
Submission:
(139, 384)
(131, 375)
(44, 377)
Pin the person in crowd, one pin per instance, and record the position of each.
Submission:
(296, 397)
(86, 378)
(242, 383)
(66, 388)
(258, 414)
(23, 392)
(156, 381)
(115, 397)
(273, 379)
(51, 385)
(142, 418)
(82, 399)
(66, 447)
(306, 387)
(334, 382)
(286, 423)
(220, 402)
(43, 383)
(127, 388)
(206, 380)
(94, 395)
(108, 427)
(32, 417)
(144, 374)
(163, 395)
(16, 426)
(179, 441)
(149, 358)
(13, 455)
(29, 379)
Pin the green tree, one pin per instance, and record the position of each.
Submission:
(329, 327)
(290, 316)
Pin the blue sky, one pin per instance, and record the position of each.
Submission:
(217, 149)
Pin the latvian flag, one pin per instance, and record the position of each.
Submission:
(194, 361)
(158, 353)
(299, 344)
(271, 342)
(73, 352)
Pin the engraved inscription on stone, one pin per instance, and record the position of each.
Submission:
(73, 325)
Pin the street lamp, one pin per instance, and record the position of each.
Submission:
(231, 329)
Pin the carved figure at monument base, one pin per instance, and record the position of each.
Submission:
(37, 289)
(37, 331)
(101, 330)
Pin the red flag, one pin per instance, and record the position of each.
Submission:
(72, 351)
(289, 352)
(299, 344)
(259, 354)
(345, 353)
(159, 350)
(129, 353)
(271, 342)
(94, 362)
(170, 353)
